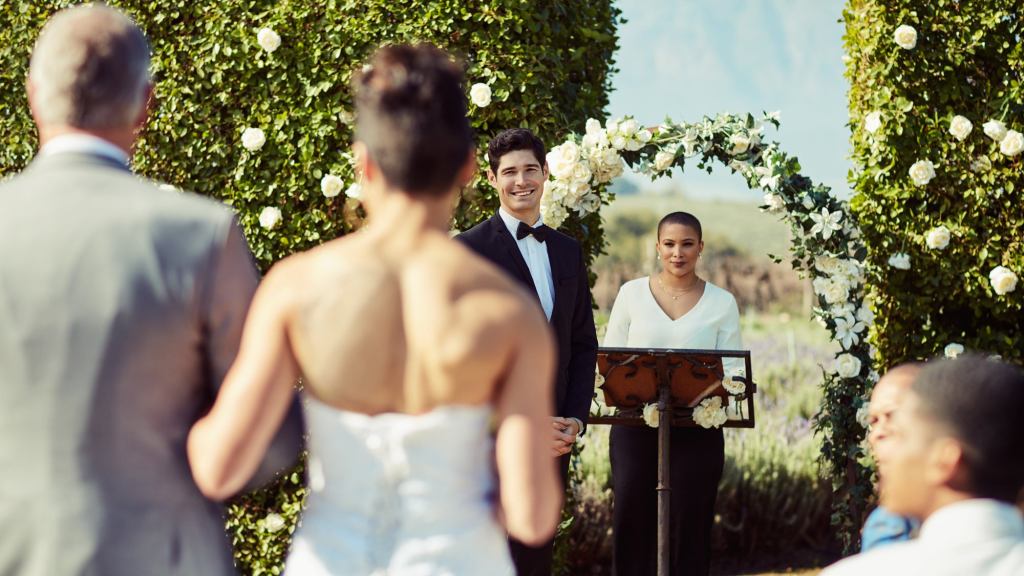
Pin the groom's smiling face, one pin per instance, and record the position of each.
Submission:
(519, 180)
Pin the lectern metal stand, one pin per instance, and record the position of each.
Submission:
(677, 380)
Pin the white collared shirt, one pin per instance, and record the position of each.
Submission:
(974, 537)
(84, 144)
(536, 255)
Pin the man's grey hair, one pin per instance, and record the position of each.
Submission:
(90, 69)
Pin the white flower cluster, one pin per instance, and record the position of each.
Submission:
(652, 417)
(735, 383)
(836, 284)
(577, 166)
(1011, 142)
(710, 413)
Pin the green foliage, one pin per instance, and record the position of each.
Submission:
(547, 62)
(967, 61)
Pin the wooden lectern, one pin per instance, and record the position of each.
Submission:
(678, 380)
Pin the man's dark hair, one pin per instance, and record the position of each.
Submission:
(682, 218)
(511, 140)
(411, 115)
(980, 402)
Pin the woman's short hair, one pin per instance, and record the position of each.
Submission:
(411, 116)
(90, 69)
(681, 218)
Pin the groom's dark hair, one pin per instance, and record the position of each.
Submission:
(411, 116)
(511, 140)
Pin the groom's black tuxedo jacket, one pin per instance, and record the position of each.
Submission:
(572, 318)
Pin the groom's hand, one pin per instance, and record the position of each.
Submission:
(565, 431)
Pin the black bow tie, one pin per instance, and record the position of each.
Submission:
(540, 232)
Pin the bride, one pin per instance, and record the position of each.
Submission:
(412, 350)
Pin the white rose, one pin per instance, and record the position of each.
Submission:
(774, 202)
(651, 415)
(253, 139)
(168, 188)
(1012, 144)
(644, 136)
(346, 117)
(619, 141)
(873, 121)
(632, 144)
(612, 127)
(595, 140)
(827, 264)
(710, 413)
(832, 290)
(598, 378)
(938, 238)
(354, 191)
(270, 217)
(900, 261)
(593, 126)
(663, 160)
(862, 416)
(554, 214)
(554, 191)
(740, 143)
(480, 95)
(847, 365)
(581, 172)
(1003, 280)
(611, 159)
(995, 130)
(981, 164)
(734, 386)
(331, 185)
(952, 350)
(865, 315)
(807, 202)
(628, 127)
(268, 39)
(960, 127)
(273, 522)
(588, 204)
(922, 172)
(905, 37)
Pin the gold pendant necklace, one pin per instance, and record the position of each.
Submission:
(675, 295)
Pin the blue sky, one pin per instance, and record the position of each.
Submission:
(688, 58)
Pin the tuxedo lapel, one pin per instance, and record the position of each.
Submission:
(557, 262)
(508, 245)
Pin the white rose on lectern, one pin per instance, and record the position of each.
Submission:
(273, 522)
(651, 415)
(922, 172)
(847, 365)
(960, 127)
(1012, 144)
(710, 413)
(900, 261)
(268, 39)
(905, 37)
(952, 350)
(995, 130)
(331, 185)
(253, 139)
(1003, 280)
(873, 121)
(480, 94)
(270, 217)
(938, 238)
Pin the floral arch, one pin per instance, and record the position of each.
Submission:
(826, 246)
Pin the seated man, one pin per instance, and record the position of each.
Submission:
(956, 462)
(883, 527)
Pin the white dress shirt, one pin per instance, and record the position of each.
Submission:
(536, 255)
(638, 321)
(84, 144)
(970, 538)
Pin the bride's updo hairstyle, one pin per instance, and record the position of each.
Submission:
(411, 116)
(684, 219)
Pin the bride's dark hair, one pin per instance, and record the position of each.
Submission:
(684, 219)
(411, 116)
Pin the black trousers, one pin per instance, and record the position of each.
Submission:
(696, 458)
(537, 560)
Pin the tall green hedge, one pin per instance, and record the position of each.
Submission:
(547, 62)
(966, 60)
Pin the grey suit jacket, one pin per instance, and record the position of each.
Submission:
(121, 309)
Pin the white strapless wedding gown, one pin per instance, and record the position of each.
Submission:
(399, 495)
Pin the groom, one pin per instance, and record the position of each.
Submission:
(551, 266)
(121, 309)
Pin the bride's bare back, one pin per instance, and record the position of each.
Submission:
(376, 329)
